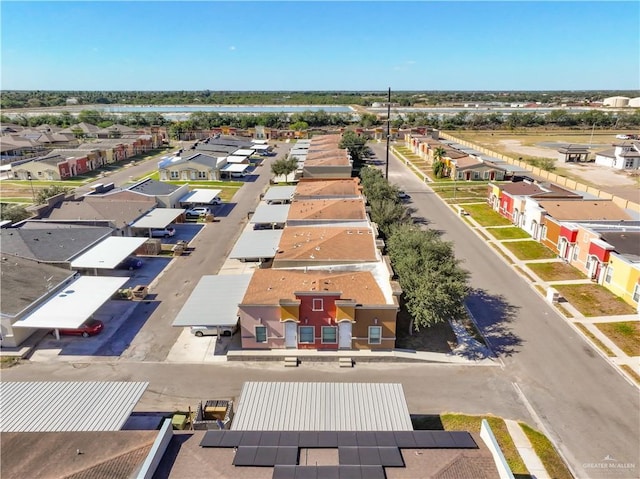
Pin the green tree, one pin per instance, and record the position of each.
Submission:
(44, 194)
(13, 213)
(284, 166)
(299, 126)
(433, 283)
(388, 213)
(356, 145)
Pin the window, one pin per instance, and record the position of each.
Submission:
(576, 253)
(202, 175)
(175, 175)
(375, 334)
(476, 175)
(261, 334)
(628, 164)
(318, 305)
(543, 233)
(485, 175)
(306, 334)
(609, 274)
(329, 335)
(636, 293)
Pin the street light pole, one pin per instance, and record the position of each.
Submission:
(388, 132)
(33, 193)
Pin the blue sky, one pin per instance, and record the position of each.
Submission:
(320, 45)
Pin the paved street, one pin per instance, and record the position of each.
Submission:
(586, 406)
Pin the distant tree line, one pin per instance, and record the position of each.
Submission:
(36, 99)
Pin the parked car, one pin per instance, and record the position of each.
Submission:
(131, 263)
(403, 196)
(197, 212)
(623, 137)
(89, 328)
(239, 174)
(163, 233)
(200, 331)
(216, 201)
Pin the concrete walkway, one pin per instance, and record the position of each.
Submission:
(525, 449)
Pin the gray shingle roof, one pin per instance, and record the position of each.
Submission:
(153, 187)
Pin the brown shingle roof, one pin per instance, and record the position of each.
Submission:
(321, 187)
(327, 209)
(269, 286)
(120, 212)
(324, 244)
(585, 210)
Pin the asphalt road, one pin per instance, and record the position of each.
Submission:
(586, 406)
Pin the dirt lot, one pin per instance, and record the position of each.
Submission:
(541, 144)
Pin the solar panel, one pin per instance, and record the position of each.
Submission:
(426, 439)
(289, 438)
(250, 438)
(390, 457)
(350, 472)
(306, 472)
(405, 439)
(366, 438)
(348, 455)
(347, 438)
(308, 439)
(328, 472)
(372, 472)
(270, 438)
(245, 456)
(284, 472)
(444, 440)
(265, 456)
(369, 456)
(463, 440)
(327, 439)
(385, 438)
(231, 439)
(212, 439)
(287, 455)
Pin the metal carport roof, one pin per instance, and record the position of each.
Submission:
(300, 406)
(256, 244)
(236, 158)
(108, 253)
(234, 168)
(270, 214)
(42, 406)
(72, 306)
(214, 301)
(200, 196)
(158, 218)
(279, 193)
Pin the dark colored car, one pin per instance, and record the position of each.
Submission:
(89, 328)
(131, 263)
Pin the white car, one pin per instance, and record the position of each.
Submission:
(200, 331)
(623, 137)
(197, 212)
(163, 233)
(238, 174)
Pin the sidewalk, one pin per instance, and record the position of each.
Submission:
(525, 449)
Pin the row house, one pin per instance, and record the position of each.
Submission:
(191, 165)
(14, 148)
(509, 199)
(322, 310)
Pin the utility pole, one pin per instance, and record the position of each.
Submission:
(388, 132)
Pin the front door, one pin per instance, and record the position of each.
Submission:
(290, 334)
(344, 335)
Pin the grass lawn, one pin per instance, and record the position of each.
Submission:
(625, 335)
(461, 422)
(17, 200)
(592, 337)
(462, 192)
(594, 300)
(485, 216)
(555, 271)
(629, 370)
(511, 232)
(547, 453)
(528, 249)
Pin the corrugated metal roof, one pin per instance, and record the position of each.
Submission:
(108, 253)
(270, 214)
(256, 244)
(200, 196)
(279, 193)
(280, 406)
(67, 406)
(158, 218)
(214, 301)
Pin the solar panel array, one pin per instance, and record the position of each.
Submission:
(328, 472)
(333, 439)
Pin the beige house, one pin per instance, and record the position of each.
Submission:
(191, 166)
